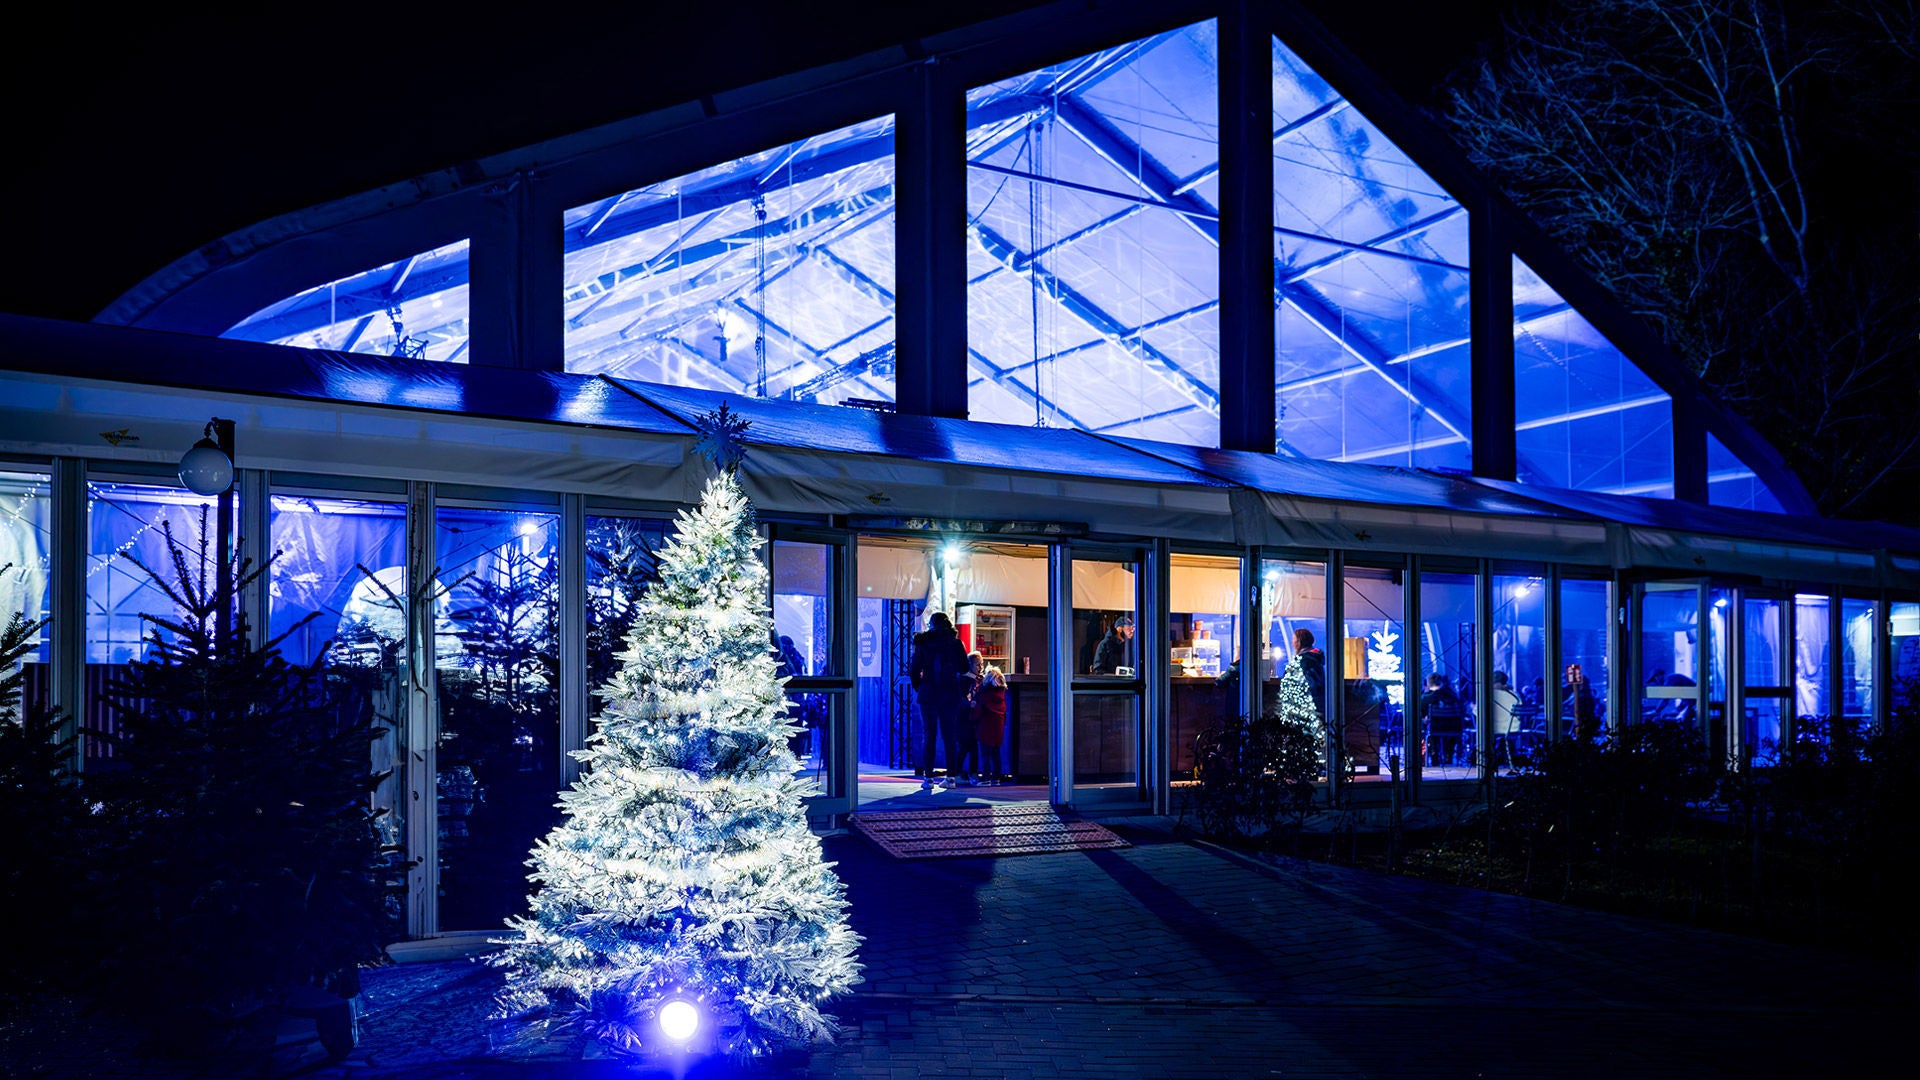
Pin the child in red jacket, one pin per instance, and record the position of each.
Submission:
(990, 722)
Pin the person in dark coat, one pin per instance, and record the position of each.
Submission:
(938, 671)
(1116, 649)
(1577, 693)
(1313, 665)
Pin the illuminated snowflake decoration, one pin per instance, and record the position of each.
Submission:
(723, 439)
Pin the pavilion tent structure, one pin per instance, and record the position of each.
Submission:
(1176, 296)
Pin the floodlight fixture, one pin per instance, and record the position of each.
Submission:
(679, 1019)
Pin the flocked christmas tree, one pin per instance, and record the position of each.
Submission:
(684, 868)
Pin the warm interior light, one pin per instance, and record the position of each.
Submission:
(679, 1020)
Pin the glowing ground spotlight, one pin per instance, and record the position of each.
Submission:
(679, 1020)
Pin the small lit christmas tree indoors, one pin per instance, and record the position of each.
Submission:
(683, 902)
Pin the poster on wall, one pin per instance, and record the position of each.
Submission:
(867, 638)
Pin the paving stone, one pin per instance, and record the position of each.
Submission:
(1177, 959)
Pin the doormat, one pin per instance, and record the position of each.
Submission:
(1025, 829)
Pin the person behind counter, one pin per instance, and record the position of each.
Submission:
(1116, 649)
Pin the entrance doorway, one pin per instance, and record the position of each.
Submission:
(995, 594)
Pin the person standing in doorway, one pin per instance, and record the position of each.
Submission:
(938, 671)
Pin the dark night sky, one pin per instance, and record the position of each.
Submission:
(136, 136)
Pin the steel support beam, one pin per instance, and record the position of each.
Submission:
(517, 283)
(1490, 318)
(1689, 452)
(67, 633)
(1246, 231)
(930, 223)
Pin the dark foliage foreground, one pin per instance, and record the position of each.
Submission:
(224, 855)
(1817, 846)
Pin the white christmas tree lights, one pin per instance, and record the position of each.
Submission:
(684, 871)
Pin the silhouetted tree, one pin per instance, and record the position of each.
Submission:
(1741, 173)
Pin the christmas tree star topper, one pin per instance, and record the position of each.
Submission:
(723, 438)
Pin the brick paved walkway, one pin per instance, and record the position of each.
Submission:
(1179, 959)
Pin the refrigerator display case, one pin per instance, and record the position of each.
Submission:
(987, 630)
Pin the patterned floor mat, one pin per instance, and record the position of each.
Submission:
(1027, 829)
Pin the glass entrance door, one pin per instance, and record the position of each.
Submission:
(1108, 681)
(1669, 651)
(1764, 666)
(995, 595)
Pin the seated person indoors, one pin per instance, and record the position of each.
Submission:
(1503, 720)
(1445, 719)
(1438, 694)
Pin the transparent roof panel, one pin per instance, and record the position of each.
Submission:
(770, 275)
(414, 307)
(1586, 416)
(1093, 260)
(1370, 289)
(1731, 482)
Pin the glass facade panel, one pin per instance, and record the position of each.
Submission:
(1374, 652)
(1730, 482)
(1104, 599)
(803, 583)
(1768, 695)
(414, 307)
(1719, 664)
(1516, 697)
(810, 744)
(1812, 671)
(803, 608)
(1669, 651)
(26, 568)
(1859, 634)
(1204, 631)
(622, 561)
(1106, 699)
(1449, 707)
(1370, 291)
(1903, 681)
(339, 578)
(771, 275)
(1093, 232)
(1586, 417)
(1765, 662)
(1766, 720)
(337, 590)
(127, 527)
(497, 662)
(1585, 613)
(1293, 598)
